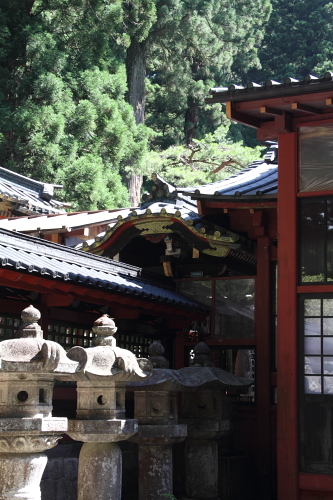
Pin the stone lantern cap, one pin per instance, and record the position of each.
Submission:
(28, 366)
(101, 382)
(201, 374)
(31, 353)
(105, 360)
(191, 378)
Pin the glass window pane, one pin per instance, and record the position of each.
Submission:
(328, 326)
(328, 307)
(328, 345)
(312, 307)
(312, 345)
(234, 308)
(312, 364)
(199, 291)
(328, 365)
(316, 158)
(312, 240)
(328, 385)
(312, 385)
(312, 326)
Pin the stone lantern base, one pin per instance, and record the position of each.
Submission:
(22, 462)
(155, 458)
(100, 461)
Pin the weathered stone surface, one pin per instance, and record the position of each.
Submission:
(156, 351)
(27, 367)
(20, 476)
(201, 456)
(160, 434)
(107, 360)
(101, 383)
(94, 431)
(25, 443)
(155, 407)
(191, 378)
(155, 473)
(31, 425)
(31, 353)
(202, 355)
(99, 472)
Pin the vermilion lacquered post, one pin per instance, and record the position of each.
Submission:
(287, 407)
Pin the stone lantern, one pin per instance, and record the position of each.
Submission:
(101, 380)
(27, 369)
(155, 407)
(206, 411)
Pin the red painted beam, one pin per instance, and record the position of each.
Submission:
(263, 368)
(317, 482)
(275, 102)
(240, 205)
(49, 287)
(287, 409)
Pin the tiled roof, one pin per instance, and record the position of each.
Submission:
(161, 218)
(164, 192)
(38, 257)
(258, 180)
(30, 196)
(270, 88)
(66, 222)
(62, 222)
(156, 209)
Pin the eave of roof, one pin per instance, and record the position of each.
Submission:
(62, 222)
(28, 195)
(31, 256)
(214, 241)
(272, 89)
(257, 182)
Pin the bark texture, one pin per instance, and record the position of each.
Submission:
(136, 74)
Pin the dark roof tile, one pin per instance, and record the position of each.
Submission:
(58, 262)
(257, 179)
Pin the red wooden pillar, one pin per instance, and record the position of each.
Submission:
(287, 402)
(263, 368)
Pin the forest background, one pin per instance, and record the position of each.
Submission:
(96, 94)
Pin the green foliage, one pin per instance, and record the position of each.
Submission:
(62, 98)
(63, 111)
(104, 189)
(191, 48)
(206, 161)
(298, 40)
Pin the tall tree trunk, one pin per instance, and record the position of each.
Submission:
(136, 74)
(191, 121)
(192, 112)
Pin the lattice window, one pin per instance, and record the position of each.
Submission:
(136, 343)
(9, 323)
(69, 334)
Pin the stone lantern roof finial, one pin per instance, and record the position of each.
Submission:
(156, 351)
(30, 327)
(202, 355)
(104, 328)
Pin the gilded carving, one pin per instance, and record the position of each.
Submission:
(218, 251)
(154, 227)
